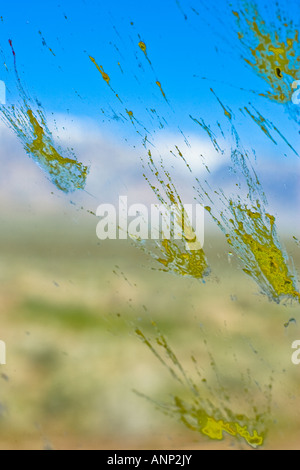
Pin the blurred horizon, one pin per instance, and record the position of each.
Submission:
(115, 171)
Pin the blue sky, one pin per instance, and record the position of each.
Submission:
(181, 53)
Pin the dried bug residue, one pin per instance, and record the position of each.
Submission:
(176, 259)
(143, 47)
(100, 69)
(193, 409)
(272, 51)
(61, 166)
(249, 228)
(267, 127)
(182, 257)
(185, 257)
(255, 241)
(105, 76)
(252, 233)
(161, 90)
(128, 112)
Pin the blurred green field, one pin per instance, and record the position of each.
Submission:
(69, 308)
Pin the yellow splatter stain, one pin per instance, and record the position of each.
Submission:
(42, 148)
(143, 47)
(227, 111)
(266, 126)
(131, 116)
(64, 171)
(179, 261)
(196, 412)
(249, 229)
(253, 233)
(184, 257)
(61, 166)
(200, 421)
(275, 53)
(161, 89)
(105, 76)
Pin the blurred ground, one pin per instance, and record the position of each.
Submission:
(68, 315)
